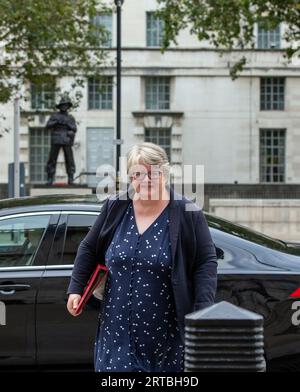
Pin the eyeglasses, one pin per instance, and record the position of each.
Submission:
(140, 175)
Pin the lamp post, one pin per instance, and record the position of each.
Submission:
(17, 147)
(118, 140)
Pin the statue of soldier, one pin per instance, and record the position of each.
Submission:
(63, 129)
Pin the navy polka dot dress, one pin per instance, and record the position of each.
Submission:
(138, 328)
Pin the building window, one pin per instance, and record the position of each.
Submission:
(39, 148)
(162, 137)
(157, 93)
(272, 155)
(42, 95)
(272, 93)
(268, 39)
(100, 92)
(100, 22)
(155, 26)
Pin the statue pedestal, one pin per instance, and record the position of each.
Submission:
(59, 189)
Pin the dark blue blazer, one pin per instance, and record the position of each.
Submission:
(194, 259)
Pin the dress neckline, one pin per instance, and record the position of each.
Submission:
(151, 224)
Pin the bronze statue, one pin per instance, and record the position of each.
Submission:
(63, 129)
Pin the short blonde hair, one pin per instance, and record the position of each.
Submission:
(150, 154)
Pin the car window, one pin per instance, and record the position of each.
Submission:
(246, 233)
(20, 238)
(231, 256)
(77, 228)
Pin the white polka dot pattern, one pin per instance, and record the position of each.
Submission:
(138, 328)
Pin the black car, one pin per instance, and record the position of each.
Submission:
(39, 237)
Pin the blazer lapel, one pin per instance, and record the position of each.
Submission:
(114, 216)
(117, 212)
(174, 224)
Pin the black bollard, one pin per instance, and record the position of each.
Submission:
(224, 338)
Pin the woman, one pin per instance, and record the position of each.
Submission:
(162, 265)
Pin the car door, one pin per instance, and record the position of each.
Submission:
(262, 288)
(61, 338)
(24, 242)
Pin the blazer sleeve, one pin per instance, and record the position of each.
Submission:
(205, 267)
(85, 260)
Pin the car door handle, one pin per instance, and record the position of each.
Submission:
(9, 289)
(11, 292)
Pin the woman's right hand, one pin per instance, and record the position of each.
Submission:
(72, 304)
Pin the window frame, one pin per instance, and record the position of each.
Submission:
(265, 35)
(93, 82)
(160, 104)
(43, 243)
(264, 165)
(158, 30)
(168, 149)
(94, 21)
(45, 144)
(39, 95)
(267, 83)
(60, 238)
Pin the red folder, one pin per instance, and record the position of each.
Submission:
(97, 278)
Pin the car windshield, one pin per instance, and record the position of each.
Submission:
(251, 235)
